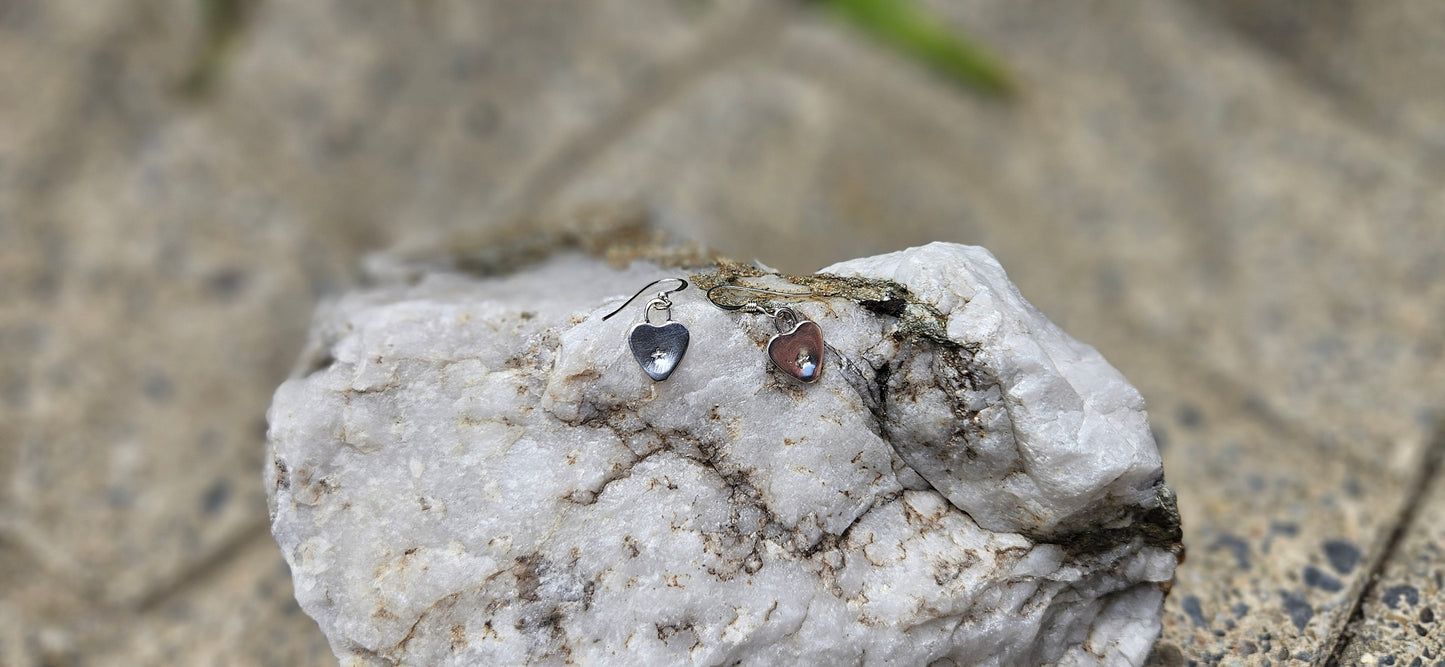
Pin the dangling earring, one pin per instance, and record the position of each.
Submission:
(658, 348)
(797, 348)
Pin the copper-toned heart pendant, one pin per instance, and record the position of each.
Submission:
(799, 351)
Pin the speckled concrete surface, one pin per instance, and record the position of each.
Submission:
(1238, 206)
(1400, 622)
(1280, 533)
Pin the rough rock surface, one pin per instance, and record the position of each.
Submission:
(475, 471)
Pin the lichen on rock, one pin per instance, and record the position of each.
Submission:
(476, 471)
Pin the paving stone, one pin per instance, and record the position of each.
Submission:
(240, 611)
(244, 613)
(1401, 621)
(83, 80)
(1279, 535)
(1376, 59)
(1265, 517)
(147, 390)
(37, 609)
(448, 115)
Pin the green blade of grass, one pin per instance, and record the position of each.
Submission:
(908, 28)
(222, 20)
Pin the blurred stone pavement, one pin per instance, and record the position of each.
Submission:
(1239, 204)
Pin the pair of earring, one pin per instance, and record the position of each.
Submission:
(797, 348)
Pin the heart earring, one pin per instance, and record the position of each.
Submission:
(658, 348)
(797, 348)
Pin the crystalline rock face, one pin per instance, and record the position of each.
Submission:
(477, 471)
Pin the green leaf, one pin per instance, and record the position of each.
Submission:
(222, 20)
(908, 28)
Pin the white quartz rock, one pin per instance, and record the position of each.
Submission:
(1025, 428)
(476, 471)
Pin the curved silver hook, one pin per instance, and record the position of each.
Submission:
(749, 306)
(682, 285)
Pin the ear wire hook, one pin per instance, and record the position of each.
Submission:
(751, 306)
(797, 348)
(660, 299)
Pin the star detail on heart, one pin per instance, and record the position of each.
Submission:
(658, 348)
(799, 352)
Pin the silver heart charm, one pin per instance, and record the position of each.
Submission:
(799, 352)
(658, 347)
